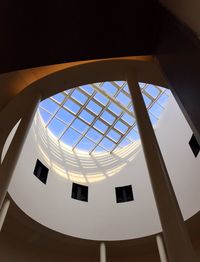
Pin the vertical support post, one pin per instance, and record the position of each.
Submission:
(178, 244)
(3, 212)
(14, 150)
(161, 248)
(102, 252)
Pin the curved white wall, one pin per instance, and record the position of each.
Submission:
(101, 218)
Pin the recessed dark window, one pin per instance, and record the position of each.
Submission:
(124, 194)
(80, 192)
(41, 171)
(194, 145)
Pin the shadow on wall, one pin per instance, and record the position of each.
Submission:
(77, 166)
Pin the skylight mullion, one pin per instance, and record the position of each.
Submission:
(113, 99)
(60, 105)
(80, 110)
(107, 131)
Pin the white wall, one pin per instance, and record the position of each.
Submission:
(101, 218)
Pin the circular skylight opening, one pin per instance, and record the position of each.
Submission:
(99, 117)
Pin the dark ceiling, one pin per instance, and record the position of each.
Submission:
(37, 33)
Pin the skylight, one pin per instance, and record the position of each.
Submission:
(99, 117)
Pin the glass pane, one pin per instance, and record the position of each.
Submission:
(56, 127)
(80, 126)
(49, 105)
(70, 137)
(153, 119)
(123, 99)
(88, 89)
(133, 135)
(128, 119)
(126, 89)
(108, 117)
(101, 99)
(114, 135)
(125, 142)
(120, 83)
(107, 144)
(59, 97)
(156, 110)
(99, 149)
(152, 90)
(121, 127)
(100, 126)
(109, 88)
(94, 108)
(141, 85)
(72, 106)
(86, 116)
(163, 99)
(85, 145)
(94, 135)
(147, 100)
(78, 96)
(115, 109)
(45, 115)
(65, 116)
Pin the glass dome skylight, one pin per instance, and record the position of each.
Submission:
(99, 117)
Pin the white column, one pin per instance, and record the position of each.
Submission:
(161, 248)
(3, 212)
(102, 252)
(178, 244)
(14, 150)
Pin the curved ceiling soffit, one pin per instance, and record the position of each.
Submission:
(70, 77)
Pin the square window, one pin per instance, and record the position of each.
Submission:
(79, 97)
(94, 108)
(124, 142)
(147, 100)
(133, 135)
(152, 90)
(94, 135)
(156, 110)
(86, 116)
(70, 137)
(107, 117)
(80, 126)
(85, 145)
(65, 116)
(56, 127)
(107, 144)
(99, 125)
(194, 145)
(163, 99)
(87, 89)
(79, 192)
(72, 106)
(101, 99)
(113, 135)
(58, 97)
(123, 99)
(124, 194)
(128, 119)
(115, 109)
(49, 105)
(41, 171)
(119, 83)
(126, 89)
(109, 88)
(46, 117)
(121, 127)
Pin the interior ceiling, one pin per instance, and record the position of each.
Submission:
(40, 33)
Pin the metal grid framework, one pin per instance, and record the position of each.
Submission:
(99, 117)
